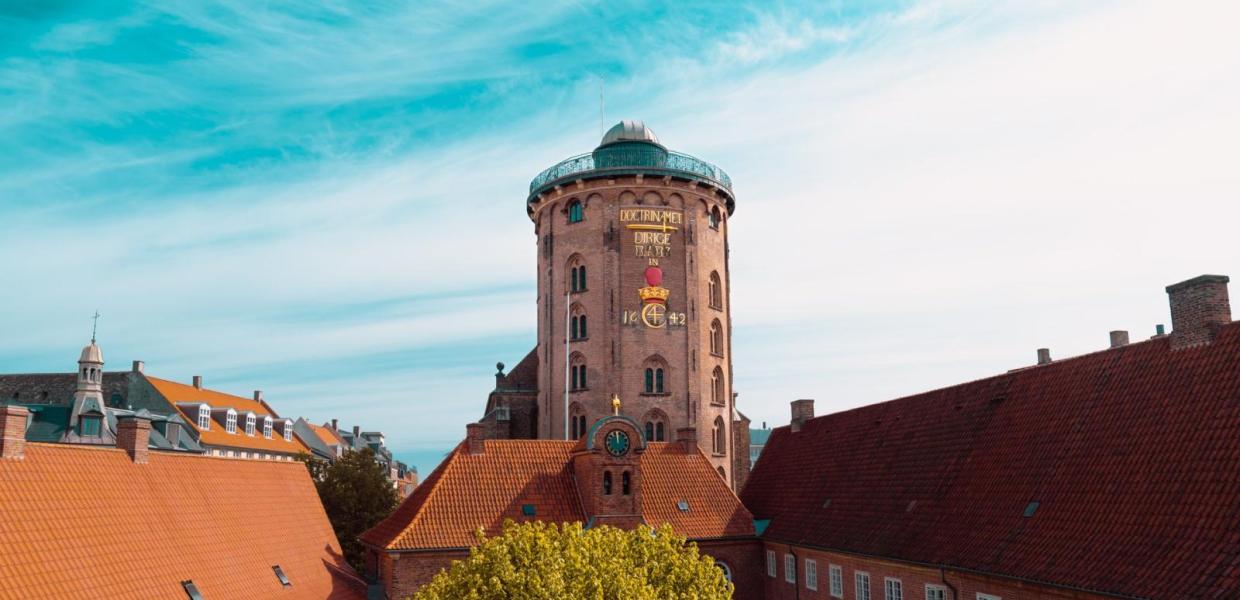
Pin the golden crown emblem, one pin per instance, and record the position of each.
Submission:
(654, 294)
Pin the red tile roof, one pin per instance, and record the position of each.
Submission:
(217, 435)
(1133, 455)
(468, 491)
(86, 522)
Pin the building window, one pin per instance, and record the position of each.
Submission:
(654, 380)
(811, 574)
(172, 432)
(770, 563)
(716, 338)
(981, 596)
(790, 568)
(577, 328)
(718, 434)
(626, 483)
(863, 586)
(727, 571)
(575, 212)
(658, 432)
(577, 377)
(837, 581)
(654, 426)
(204, 417)
(716, 387)
(606, 483)
(89, 426)
(895, 589)
(230, 422)
(714, 217)
(715, 289)
(577, 275)
(935, 592)
(267, 427)
(288, 431)
(577, 420)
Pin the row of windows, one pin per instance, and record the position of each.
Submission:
(254, 455)
(230, 423)
(893, 588)
(92, 374)
(577, 282)
(655, 381)
(577, 213)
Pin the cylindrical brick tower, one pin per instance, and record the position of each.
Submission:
(633, 292)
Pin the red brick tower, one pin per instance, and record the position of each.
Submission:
(633, 292)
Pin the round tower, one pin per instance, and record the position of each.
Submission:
(633, 292)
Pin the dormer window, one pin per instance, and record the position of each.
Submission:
(172, 431)
(204, 417)
(249, 424)
(230, 422)
(90, 426)
(288, 431)
(267, 427)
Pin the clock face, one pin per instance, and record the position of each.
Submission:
(617, 443)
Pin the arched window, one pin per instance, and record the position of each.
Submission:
(654, 376)
(577, 325)
(576, 420)
(267, 427)
(249, 424)
(655, 428)
(581, 424)
(649, 431)
(716, 338)
(606, 483)
(577, 373)
(626, 483)
(658, 432)
(288, 430)
(717, 387)
(581, 278)
(576, 273)
(714, 217)
(230, 421)
(575, 212)
(204, 417)
(727, 571)
(715, 288)
(717, 436)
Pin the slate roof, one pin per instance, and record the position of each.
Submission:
(86, 522)
(1132, 454)
(217, 435)
(468, 491)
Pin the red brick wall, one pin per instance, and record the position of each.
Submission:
(403, 573)
(743, 557)
(913, 579)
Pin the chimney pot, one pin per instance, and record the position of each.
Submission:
(258, 395)
(335, 425)
(802, 411)
(1119, 338)
(1044, 356)
(138, 366)
(133, 435)
(1199, 307)
(198, 382)
(474, 438)
(686, 438)
(13, 432)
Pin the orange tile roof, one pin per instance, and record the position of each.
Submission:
(325, 434)
(86, 522)
(468, 491)
(177, 393)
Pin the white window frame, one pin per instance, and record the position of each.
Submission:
(770, 564)
(230, 421)
(288, 430)
(891, 584)
(811, 574)
(982, 596)
(249, 424)
(837, 580)
(859, 578)
(204, 417)
(790, 568)
(935, 592)
(267, 426)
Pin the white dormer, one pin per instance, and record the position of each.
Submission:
(230, 421)
(249, 424)
(267, 423)
(204, 417)
(288, 430)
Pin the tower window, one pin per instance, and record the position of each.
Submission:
(649, 431)
(714, 217)
(717, 387)
(577, 376)
(715, 290)
(581, 423)
(606, 483)
(717, 436)
(89, 426)
(658, 432)
(716, 338)
(658, 381)
(575, 212)
(577, 328)
(577, 274)
(626, 483)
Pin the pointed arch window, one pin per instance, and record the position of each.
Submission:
(717, 436)
(715, 290)
(655, 376)
(717, 387)
(577, 374)
(578, 328)
(716, 338)
(714, 217)
(656, 426)
(576, 421)
(576, 212)
(576, 274)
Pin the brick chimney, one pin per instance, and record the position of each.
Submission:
(802, 411)
(13, 432)
(1119, 338)
(474, 438)
(1044, 356)
(198, 382)
(686, 439)
(138, 366)
(133, 435)
(335, 425)
(1199, 307)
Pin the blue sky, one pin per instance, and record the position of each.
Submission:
(325, 202)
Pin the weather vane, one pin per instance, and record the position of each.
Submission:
(94, 328)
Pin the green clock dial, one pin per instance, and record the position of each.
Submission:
(617, 443)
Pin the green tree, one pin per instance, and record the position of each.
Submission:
(356, 494)
(536, 561)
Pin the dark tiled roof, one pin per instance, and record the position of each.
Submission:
(1132, 455)
(57, 388)
(469, 491)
